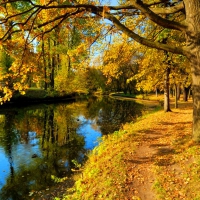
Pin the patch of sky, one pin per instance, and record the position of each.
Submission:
(109, 2)
(90, 134)
(4, 166)
(107, 36)
(23, 152)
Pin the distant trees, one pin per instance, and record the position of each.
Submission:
(120, 64)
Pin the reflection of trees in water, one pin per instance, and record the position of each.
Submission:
(8, 138)
(55, 138)
(110, 113)
(58, 144)
(115, 113)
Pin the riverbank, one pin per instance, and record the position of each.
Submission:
(154, 158)
(37, 96)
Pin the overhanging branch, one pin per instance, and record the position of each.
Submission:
(144, 41)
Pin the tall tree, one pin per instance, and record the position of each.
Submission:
(28, 20)
(120, 63)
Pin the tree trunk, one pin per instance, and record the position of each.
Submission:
(192, 8)
(190, 93)
(172, 92)
(166, 91)
(176, 97)
(52, 72)
(186, 93)
(53, 66)
(178, 87)
(45, 65)
(49, 60)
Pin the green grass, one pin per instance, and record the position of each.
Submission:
(124, 95)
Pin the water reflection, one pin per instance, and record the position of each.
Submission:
(39, 141)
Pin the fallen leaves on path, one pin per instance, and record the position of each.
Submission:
(161, 160)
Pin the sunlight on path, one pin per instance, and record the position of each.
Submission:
(154, 149)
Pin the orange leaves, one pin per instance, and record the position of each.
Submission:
(80, 14)
(43, 2)
(105, 9)
(7, 94)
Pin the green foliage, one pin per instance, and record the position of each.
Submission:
(163, 35)
(124, 95)
(95, 80)
(32, 93)
(75, 162)
(159, 189)
(58, 180)
(5, 61)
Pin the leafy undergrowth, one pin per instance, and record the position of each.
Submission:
(104, 175)
(174, 160)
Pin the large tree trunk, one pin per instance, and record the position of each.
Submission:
(192, 8)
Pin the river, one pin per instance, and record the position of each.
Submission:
(43, 141)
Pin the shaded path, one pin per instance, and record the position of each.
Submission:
(155, 148)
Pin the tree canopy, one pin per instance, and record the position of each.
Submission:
(25, 23)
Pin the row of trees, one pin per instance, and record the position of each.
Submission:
(53, 39)
(123, 66)
(60, 59)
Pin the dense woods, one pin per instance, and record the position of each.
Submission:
(88, 46)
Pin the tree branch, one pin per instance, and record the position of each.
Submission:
(135, 4)
(5, 19)
(169, 10)
(9, 32)
(155, 2)
(146, 42)
(156, 18)
(64, 16)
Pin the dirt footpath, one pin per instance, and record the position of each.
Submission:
(155, 148)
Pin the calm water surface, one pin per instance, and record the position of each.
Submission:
(41, 141)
